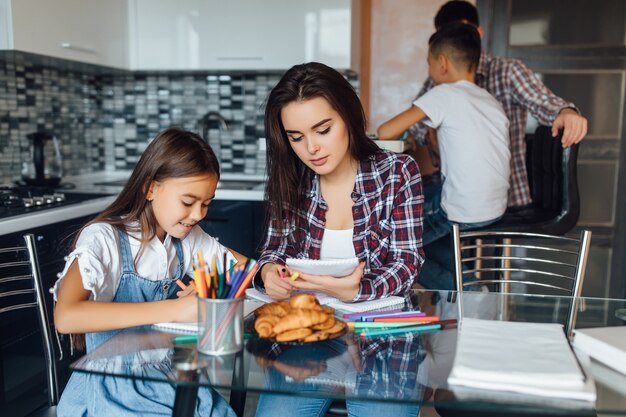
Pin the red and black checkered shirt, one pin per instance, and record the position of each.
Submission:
(518, 89)
(387, 213)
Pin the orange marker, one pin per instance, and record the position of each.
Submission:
(181, 284)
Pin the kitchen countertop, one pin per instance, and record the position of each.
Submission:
(29, 221)
(238, 187)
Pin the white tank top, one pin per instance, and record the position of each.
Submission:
(337, 244)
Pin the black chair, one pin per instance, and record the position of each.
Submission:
(553, 181)
(21, 288)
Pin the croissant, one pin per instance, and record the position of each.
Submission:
(316, 336)
(325, 324)
(279, 308)
(300, 318)
(293, 334)
(328, 310)
(264, 325)
(303, 301)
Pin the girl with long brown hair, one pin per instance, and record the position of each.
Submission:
(123, 269)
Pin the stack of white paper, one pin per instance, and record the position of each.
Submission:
(524, 358)
(604, 344)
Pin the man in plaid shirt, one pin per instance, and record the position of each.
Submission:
(519, 91)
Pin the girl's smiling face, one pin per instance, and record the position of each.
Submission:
(179, 203)
(317, 134)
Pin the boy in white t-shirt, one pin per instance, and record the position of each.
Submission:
(473, 134)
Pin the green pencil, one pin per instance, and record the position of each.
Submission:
(185, 340)
(382, 324)
(399, 330)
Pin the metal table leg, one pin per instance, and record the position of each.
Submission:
(186, 395)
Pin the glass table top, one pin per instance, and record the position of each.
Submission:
(406, 367)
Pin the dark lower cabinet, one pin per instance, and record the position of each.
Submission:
(237, 224)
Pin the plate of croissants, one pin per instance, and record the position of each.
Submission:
(299, 320)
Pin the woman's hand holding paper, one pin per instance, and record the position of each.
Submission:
(344, 289)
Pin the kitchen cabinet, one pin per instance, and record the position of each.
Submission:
(238, 34)
(90, 31)
(236, 224)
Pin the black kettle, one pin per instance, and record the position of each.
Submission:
(45, 168)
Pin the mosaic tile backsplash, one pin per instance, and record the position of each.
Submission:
(105, 117)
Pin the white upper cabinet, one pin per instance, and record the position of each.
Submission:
(238, 34)
(92, 31)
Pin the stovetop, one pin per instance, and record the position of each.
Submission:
(20, 199)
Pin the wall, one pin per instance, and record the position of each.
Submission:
(400, 31)
(105, 117)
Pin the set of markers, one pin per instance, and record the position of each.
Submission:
(219, 280)
(393, 322)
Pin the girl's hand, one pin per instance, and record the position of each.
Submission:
(190, 290)
(344, 288)
(186, 309)
(277, 284)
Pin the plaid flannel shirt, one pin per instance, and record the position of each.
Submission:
(519, 90)
(391, 367)
(387, 215)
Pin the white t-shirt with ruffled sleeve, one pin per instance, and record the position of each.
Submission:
(98, 254)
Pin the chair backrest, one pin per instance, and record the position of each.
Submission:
(553, 180)
(21, 288)
(549, 264)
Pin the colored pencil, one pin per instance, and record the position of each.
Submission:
(360, 315)
(414, 314)
(356, 325)
(246, 281)
(405, 319)
(230, 271)
(185, 340)
(361, 325)
(400, 330)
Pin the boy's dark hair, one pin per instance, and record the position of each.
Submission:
(460, 42)
(456, 11)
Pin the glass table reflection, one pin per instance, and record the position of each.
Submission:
(407, 368)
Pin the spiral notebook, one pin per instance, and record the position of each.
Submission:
(184, 328)
(334, 267)
(388, 303)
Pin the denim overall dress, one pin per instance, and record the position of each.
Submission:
(98, 395)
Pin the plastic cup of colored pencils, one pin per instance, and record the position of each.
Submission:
(222, 321)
